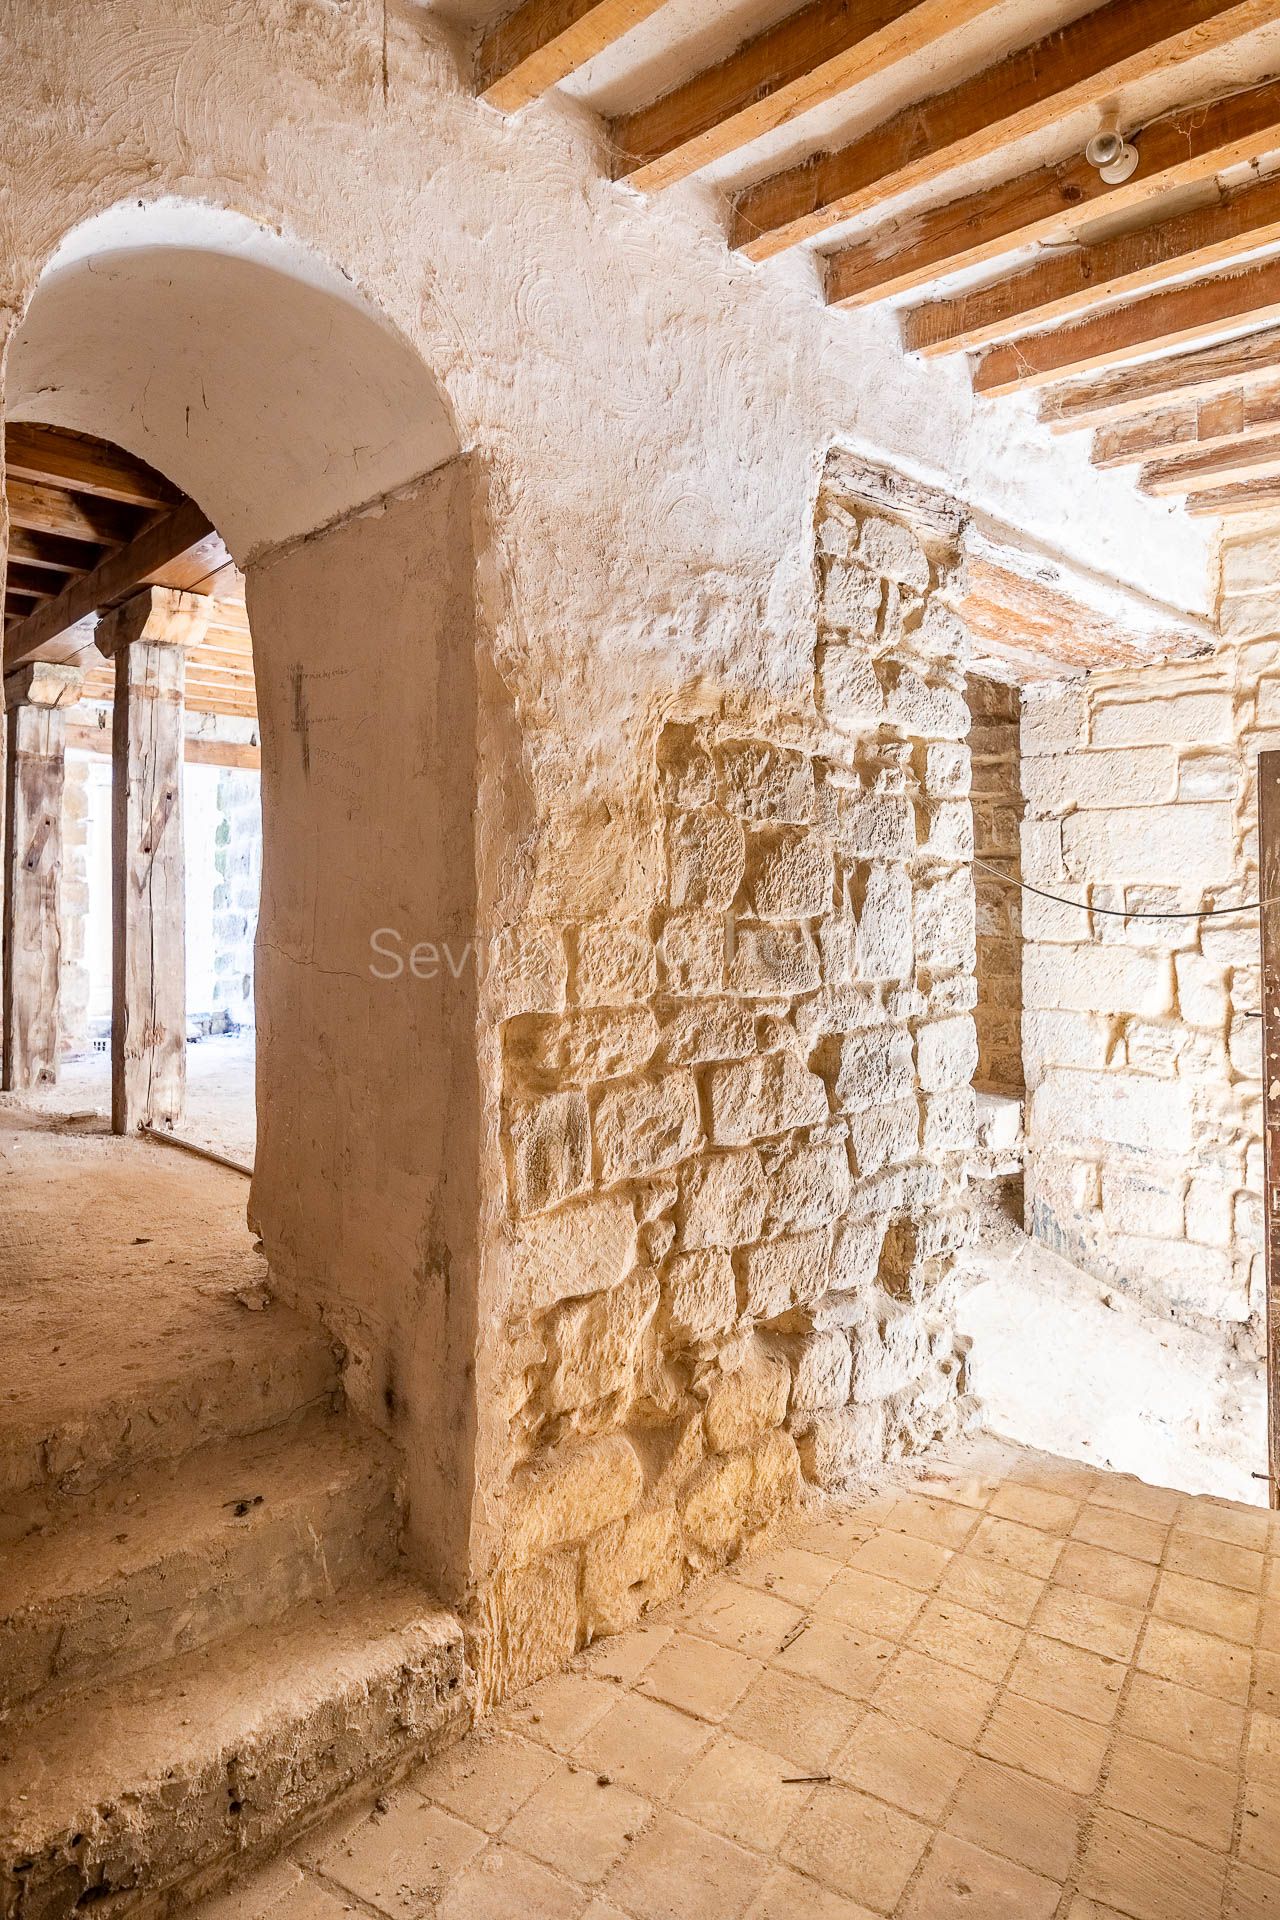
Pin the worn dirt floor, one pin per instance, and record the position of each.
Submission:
(220, 1093)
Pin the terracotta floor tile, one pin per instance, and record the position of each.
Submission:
(1018, 1817)
(745, 1621)
(839, 1533)
(793, 1573)
(1111, 1576)
(963, 1638)
(1266, 1692)
(485, 1779)
(1260, 1828)
(840, 1657)
(962, 1882)
(1218, 1520)
(737, 1789)
(1207, 1606)
(576, 1825)
(644, 1745)
(969, 1490)
(1182, 1720)
(1121, 1532)
(1196, 1660)
(1262, 1750)
(944, 1522)
(900, 1556)
(1216, 1560)
(1069, 1678)
(989, 1586)
(1057, 1747)
(1171, 1790)
(1135, 1496)
(403, 1859)
(1026, 1548)
(1150, 1874)
(1251, 1895)
(502, 1882)
(941, 1699)
(1036, 1507)
(677, 1871)
(908, 1767)
(699, 1676)
(790, 1896)
(1269, 1623)
(856, 1845)
(624, 1656)
(798, 1719)
(561, 1710)
(868, 1600)
(1082, 1619)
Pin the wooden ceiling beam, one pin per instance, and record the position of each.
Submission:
(48, 550)
(82, 464)
(1177, 317)
(1206, 371)
(1063, 284)
(809, 58)
(155, 550)
(21, 578)
(1178, 150)
(1251, 496)
(1235, 417)
(541, 43)
(1080, 65)
(1241, 459)
(73, 516)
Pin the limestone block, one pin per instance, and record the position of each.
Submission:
(836, 935)
(1209, 776)
(1185, 719)
(850, 598)
(763, 782)
(1202, 990)
(820, 1367)
(946, 1053)
(1051, 1039)
(583, 1047)
(1041, 847)
(1209, 1212)
(707, 1030)
(855, 1253)
(890, 1350)
(1123, 1109)
(872, 826)
(550, 1150)
(886, 1136)
(1233, 943)
(722, 1199)
(577, 1249)
(686, 774)
(705, 856)
(950, 1121)
(1248, 1224)
(692, 953)
(631, 1566)
(1194, 1279)
(943, 634)
(947, 770)
(836, 527)
(700, 1293)
(1251, 563)
(643, 1126)
(737, 1495)
(747, 1401)
(948, 831)
(592, 1344)
(838, 1450)
(528, 970)
(925, 710)
(616, 964)
(1051, 920)
(781, 1274)
(1195, 843)
(1055, 719)
(871, 1067)
(772, 961)
(1244, 1047)
(890, 548)
(944, 921)
(1097, 980)
(524, 1624)
(1142, 1203)
(848, 692)
(884, 949)
(808, 1185)
(773, 1093)
(790, 874)
(1248, 616)
(1120, 777)
(580, 1487)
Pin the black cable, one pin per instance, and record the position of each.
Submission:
(1122, 913)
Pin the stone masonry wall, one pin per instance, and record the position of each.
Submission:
(997, 816)
(736, 1129)
(1144, 1133)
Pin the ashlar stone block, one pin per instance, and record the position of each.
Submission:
(644, 1126)
(752, 1099)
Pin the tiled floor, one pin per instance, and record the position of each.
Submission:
(1018, 1689)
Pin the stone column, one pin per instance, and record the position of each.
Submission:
(35, 697)
(147, 638)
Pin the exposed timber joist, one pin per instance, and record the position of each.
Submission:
(1175, 318)
(1064, 284)
(82, 464)
(1080, 65)
(542, 42)
(1178, 150)
(1250, 496)
(1238, 414)
(806, 59)
(48, 550)
(1256, 459)
(43, 509)
(196, 752)
(1206, 371)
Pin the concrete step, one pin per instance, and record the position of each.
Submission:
(163, 1560)
(134, 1795)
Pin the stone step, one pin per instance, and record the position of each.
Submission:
(160, 1561)
(121, 1795)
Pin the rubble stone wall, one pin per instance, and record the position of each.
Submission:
(735, 1123)
(997, 815)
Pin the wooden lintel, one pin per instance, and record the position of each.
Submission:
(542, 42)
(1250, 496)
(196, 752)
(1206, 371)
(82, 464)
(1080, 65)
(1241, 459)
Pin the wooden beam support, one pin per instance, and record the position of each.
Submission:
(1269, 889)
(38, 581)
(47, 550)
(1177, 317)
(1251, 496)
(1066, 283)
(82, 464)
(1220, 420)
(542, 42)
(1178, 150)
(196, 752)
(1081, 65)
(154, 551)
(1208, 371)
(1241, 459)
(72, 516)
(33, 873)
(810, 57)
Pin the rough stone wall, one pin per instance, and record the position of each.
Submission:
(235, 904)
(997, 815)
(735, 1125)
(73, 981)
(1144, 1135)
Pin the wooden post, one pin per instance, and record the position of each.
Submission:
(147, 638)
(34, 697)
(1269, 890)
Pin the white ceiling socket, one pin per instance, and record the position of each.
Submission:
(1114, 156)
